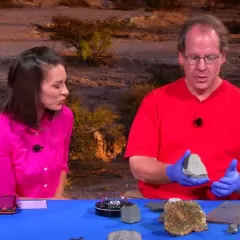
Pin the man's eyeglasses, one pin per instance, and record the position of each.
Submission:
(209, 59)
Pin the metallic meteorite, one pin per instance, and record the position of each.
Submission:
(183, 217)
(111, 206)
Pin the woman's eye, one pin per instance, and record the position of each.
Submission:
(57, 86)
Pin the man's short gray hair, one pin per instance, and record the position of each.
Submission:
(208, 21)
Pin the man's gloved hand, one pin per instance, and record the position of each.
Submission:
(175, 173)
(229, 183)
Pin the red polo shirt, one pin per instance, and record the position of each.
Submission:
(164, 129)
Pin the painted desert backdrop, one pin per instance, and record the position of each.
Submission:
(116, 51)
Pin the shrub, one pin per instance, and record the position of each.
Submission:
(9, 4)
(165, 73)
(158, 4)
(127, 4)
(130, 101)
(213, 4)
(226, 2)
(73, 3)
(233, 26)
(92, 39)
(83, 147)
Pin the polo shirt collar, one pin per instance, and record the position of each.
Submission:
(19, 127)
(216, 92)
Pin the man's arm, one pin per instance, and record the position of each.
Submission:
(149, 170)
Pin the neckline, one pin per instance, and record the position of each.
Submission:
(215, 93)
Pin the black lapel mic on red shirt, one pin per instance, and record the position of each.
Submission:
(37, 148)
(198, 122)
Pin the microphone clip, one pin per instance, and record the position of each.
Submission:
(37, 148)
(198, 122)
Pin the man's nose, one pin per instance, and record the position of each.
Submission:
(201, 66)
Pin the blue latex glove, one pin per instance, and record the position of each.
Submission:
(175, 173)
(229, 183)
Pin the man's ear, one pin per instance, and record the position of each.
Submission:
(224, 56)
(181, 58)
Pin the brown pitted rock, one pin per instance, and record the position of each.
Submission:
(183, 217)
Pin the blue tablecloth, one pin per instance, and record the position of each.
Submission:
(63, 220)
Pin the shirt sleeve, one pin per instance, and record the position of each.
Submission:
(7, 177)
(143, 139)
(67, 141)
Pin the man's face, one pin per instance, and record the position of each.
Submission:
(202, 42)
(54, 90)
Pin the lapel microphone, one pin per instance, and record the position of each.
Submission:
(37, 148)
(198, 122)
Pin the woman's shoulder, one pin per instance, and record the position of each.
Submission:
(67, 112)
(66, 115)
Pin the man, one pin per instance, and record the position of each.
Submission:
(196, 114)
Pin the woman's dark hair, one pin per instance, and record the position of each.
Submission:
(208, 21)
(25, 78)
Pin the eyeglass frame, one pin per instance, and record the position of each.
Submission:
(204, 57)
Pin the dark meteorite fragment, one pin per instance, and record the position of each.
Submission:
(156, 206)
(184, 217)
(232, 228)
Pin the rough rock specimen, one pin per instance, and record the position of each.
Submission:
(232, 228)
(130, 214)
(184, 217)
(194, 167)
(161, 217)
(124, 235)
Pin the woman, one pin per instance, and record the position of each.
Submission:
(36, 127)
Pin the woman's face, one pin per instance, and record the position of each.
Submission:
(54, 91)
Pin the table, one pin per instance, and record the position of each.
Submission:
(66, 219)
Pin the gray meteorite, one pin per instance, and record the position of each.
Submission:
(194, 167)
(124, 235)
(233, 228)
(130, 214)
(156, 206)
